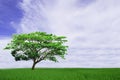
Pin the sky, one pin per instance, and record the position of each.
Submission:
(92, 28)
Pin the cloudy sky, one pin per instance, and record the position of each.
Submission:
(92, 28)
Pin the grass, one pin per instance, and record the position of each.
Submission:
(60, 74)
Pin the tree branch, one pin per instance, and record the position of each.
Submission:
(43, 57)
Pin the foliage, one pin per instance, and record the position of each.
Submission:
(37, 46)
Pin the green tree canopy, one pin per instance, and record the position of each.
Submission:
(37, 46)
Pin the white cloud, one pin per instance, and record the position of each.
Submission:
(92, 29)
(99, 19)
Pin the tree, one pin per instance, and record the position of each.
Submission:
(37, 46)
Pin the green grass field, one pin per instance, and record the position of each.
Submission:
(60, 74)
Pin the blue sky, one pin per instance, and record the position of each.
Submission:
(9, 12)
(92, 28)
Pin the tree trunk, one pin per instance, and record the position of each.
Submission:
(33, 66)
